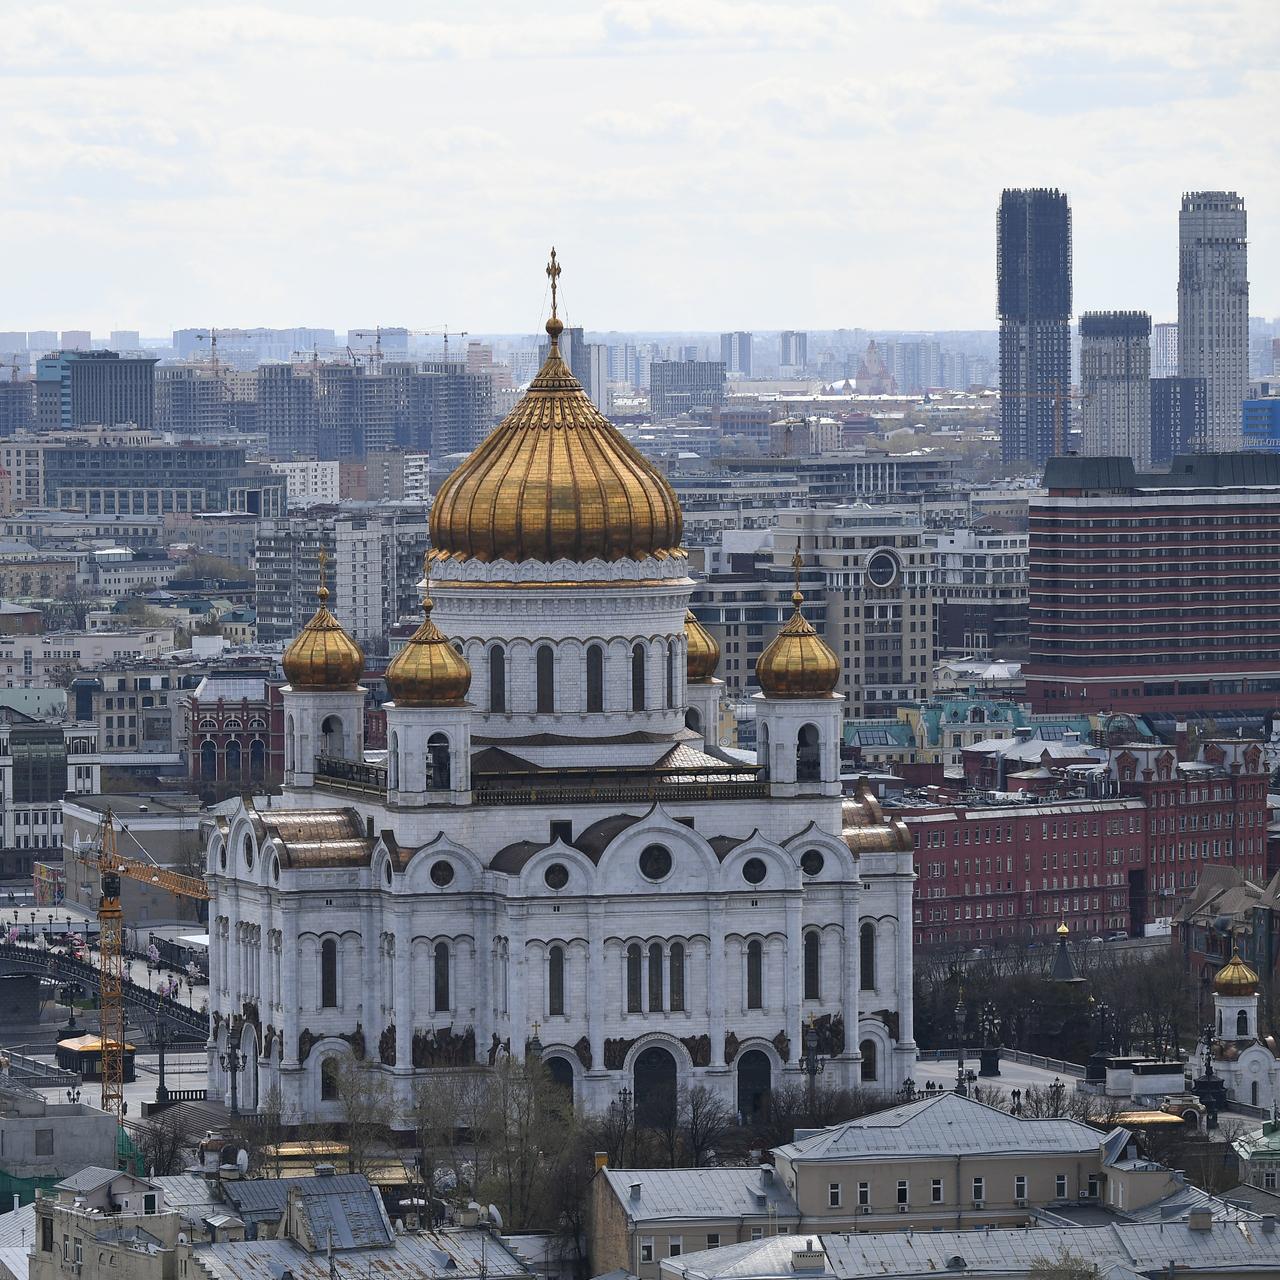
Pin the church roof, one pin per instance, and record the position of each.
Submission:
(310, 838)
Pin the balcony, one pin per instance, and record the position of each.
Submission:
(350, 775)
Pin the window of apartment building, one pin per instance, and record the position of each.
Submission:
(713, 1239)
(1020, 1187)
(1060, 1186)
(1268, 1179)
(904, 1191)
(833, 1195)
(864, 1193)
(646, 1249)
(1093, 1185)
(46, 1235)
(675, 1246)
(757, 1233)
(935, 1191)
(979, 1189)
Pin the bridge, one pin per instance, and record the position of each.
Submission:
(189, 1023)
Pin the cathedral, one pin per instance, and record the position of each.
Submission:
(554, 854)
(1245, 1059)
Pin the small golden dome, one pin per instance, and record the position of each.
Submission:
(1235, 978)
(704, 651)
(322, 655)
(555, 481)
(797, 662)
(1063, 931)
(428, 671)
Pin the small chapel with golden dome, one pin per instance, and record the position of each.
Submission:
(554, 854)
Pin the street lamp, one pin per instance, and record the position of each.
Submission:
(813, 1065)
(908, 1091)
(232, 1063)
(70, 993)
(620, 1110)
(960, 1076)
(160, 1037)
(1056, 1091)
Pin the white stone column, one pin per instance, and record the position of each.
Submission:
(484, 979)
(403, 989)
(793, 959)
(904, 968)
(597, 1008)
(851, 976)
(518, 1025)
(716, 994)
(289, 995)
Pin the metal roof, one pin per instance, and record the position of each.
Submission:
(675, 1194)
(344, 1204)
(944, 1125)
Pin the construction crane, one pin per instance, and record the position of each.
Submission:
(212, 339)
(375, 355)
(112, 868)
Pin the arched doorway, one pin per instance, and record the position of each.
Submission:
(655, 1085)
(561, 1074)
(755, 1080)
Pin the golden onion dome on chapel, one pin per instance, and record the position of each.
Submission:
(703, 650)
(797, 662)
(428, 671)
(322, 655)
(1235, 978)
(556, 481)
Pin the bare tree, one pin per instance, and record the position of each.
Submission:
(163, 1148)
(366, 1115)
(705, 1120)
(1064, 1265)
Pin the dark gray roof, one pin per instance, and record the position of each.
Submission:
(1188, 471)
(345, 1203)
(90, 1178)
(676, 1194)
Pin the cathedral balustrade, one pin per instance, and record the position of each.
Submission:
(665, 791)
(351, 775)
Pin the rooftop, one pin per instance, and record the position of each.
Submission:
(674, 1194)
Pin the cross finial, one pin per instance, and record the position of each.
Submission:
(322, 558)
(426, 581)
(537, 1026)
(553, 274)
(797, 563)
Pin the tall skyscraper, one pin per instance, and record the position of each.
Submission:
(597, 383)
(74, 388)
(1115, 385)
(793, 350)
(1177, 416)
(680, 386)
(1164, 350)
(1213, 310)
(1033, 271)
(735, 354)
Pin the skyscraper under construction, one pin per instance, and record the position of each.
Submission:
(1033, 269)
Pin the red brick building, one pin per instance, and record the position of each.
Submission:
(234, 733)
(1119, 846)
(1156, 592)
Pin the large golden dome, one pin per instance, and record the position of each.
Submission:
(1235, 978)
(323, 656)
(703, 650)
(555, 481)
(428, 671)
(797, 662)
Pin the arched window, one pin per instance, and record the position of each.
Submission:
(331, 737)
(1242, 1023)
(208, 762)
(329, 974)
(755, 976)
(693, 719)
(257, 760)
(637, 677)
(867, 957)
(288, 745)
(497, 678)
(812, 966)
(233, 761)
(440, 994)
(655, 977)
(675, 977)
(393, 761)
(595, 678)
(438, 771)
(808, 756)
(545, 662)
(671, 673)
(868, 1050)
(555, 980)
(1219, 1022)
(762, 751)
(635, 959)
(329, 1080)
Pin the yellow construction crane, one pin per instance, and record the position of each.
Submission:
(112, 867)
(375, 355)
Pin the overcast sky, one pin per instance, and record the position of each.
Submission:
(699, 164)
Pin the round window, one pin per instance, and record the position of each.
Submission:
(556, 875)
(882, 569)
(655, 862)
(442, 874)
(812, 862)
(248, 851)
(754, 870)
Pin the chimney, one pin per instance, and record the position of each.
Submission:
(808, 1259)
(1200, 1220)
(766, 1174)
(1268, 1223)
(325, 1171)
(1181, 741)
(1023, 732)
(635, 1191)
(602, 1159)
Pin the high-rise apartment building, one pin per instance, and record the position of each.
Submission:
(1213, 310)
(77, 340)
(1164, 350)
(1156, 592)
(378, 559)
(125, 340)
(1033, 269)
(793, 351)
(597, 380)
(1115, 385)
(735, 354)
(192, 400)
(681, 386)
(287, 409)
(1177, 417)
(17, 406)
(980, 593)
(76, 388)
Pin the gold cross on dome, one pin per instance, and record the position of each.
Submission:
(797, 563)
(553, 274)
(536, 1028)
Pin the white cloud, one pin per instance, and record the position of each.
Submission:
(711, 163)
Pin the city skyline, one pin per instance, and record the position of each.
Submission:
(157, 149)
